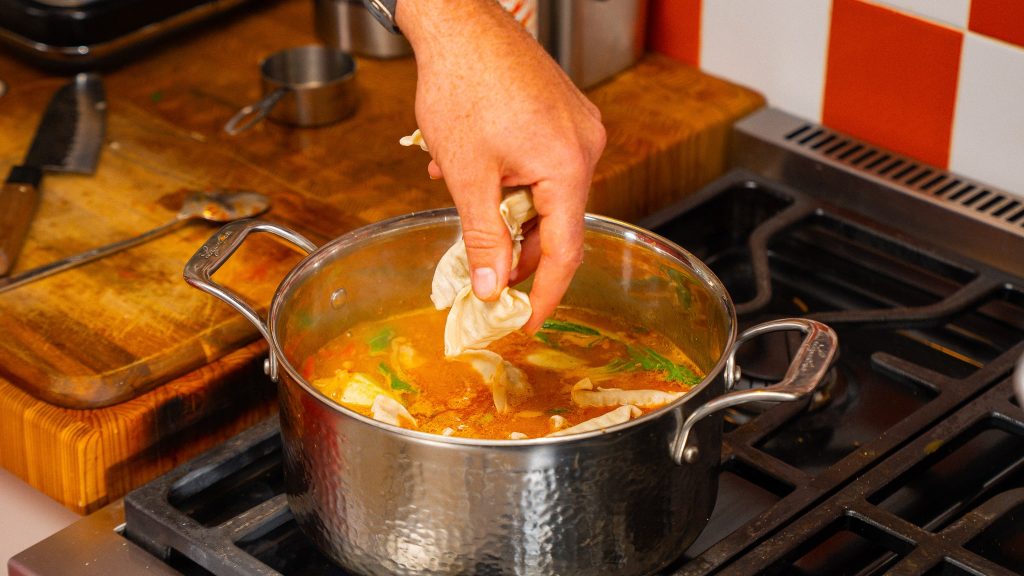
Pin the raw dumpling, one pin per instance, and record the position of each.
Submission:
(617, 416)
(414, 139)
(508, 384)
(584, 395)
(450, 276)
(473, 323)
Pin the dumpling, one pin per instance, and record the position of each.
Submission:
(473, 323)
(414, 139)
(557, 422)
(350, 388)
(555, 360)
(606, 420)
(390, 411)
(584, 395)
(509, 385)
(450, 276)
(452, 272)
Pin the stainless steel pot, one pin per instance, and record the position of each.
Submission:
(384, 500)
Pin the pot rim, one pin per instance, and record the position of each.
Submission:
(653, 241)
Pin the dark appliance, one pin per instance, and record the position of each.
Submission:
(74, 35)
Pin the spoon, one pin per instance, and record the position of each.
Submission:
(218, 206)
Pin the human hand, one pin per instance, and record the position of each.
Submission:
(497, 111)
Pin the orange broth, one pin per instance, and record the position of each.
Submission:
(442, 393)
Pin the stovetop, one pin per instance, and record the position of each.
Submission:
(909, 460)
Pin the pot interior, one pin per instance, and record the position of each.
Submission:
(386, 268)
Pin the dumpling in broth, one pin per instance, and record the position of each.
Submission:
(508, 384)
(585, 395)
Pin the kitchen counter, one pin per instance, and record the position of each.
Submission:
(180, 359)
(29, 516)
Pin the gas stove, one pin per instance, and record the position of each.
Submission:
(908, 460)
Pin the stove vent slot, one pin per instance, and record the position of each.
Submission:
(908, 173)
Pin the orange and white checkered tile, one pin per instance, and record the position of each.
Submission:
(939, 80)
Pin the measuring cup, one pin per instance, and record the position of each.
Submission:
(303, 86)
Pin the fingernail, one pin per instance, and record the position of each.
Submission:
(484, 282)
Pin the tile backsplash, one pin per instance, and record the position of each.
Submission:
(941, 81)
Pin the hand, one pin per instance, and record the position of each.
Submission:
(496, 111)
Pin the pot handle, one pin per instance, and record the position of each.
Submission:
(808, 368)
(216, 251)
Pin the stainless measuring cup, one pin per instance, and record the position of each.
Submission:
(303, 86)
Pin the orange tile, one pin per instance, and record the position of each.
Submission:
(1002, 19)
(674, 29)
(892, 79)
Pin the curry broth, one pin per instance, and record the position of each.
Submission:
(404, 357)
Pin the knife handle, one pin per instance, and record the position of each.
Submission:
(18, 200)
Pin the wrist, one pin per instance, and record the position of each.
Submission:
(437, 26)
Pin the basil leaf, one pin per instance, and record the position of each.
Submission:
(380, 341)
(393, 379)
(682, 290)
(648, 360)
(545, 339)
(561, 326)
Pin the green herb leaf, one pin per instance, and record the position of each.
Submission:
(682, 283)
(647, 359)
(560, 326)
(554, 411)
(395, 382)
(381, 340)
(544, 338)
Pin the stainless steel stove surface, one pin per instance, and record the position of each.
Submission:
(910, 460)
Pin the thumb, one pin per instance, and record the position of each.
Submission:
(488, 243)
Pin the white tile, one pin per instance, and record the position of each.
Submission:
(988, 128)
(777, 48)
(952, 12)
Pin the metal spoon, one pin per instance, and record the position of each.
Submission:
(220, 206)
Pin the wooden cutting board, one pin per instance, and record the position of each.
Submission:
(91, 354)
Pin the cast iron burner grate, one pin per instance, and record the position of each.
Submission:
(910, 459)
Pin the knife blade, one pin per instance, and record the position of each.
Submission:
(68, 139)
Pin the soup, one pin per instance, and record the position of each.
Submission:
(581, 371)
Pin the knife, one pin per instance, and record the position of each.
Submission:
(68, 139)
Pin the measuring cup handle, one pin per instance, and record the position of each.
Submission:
(248, 116)
(215, 252)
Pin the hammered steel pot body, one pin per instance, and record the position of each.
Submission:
(381, 502)
(384, 500)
